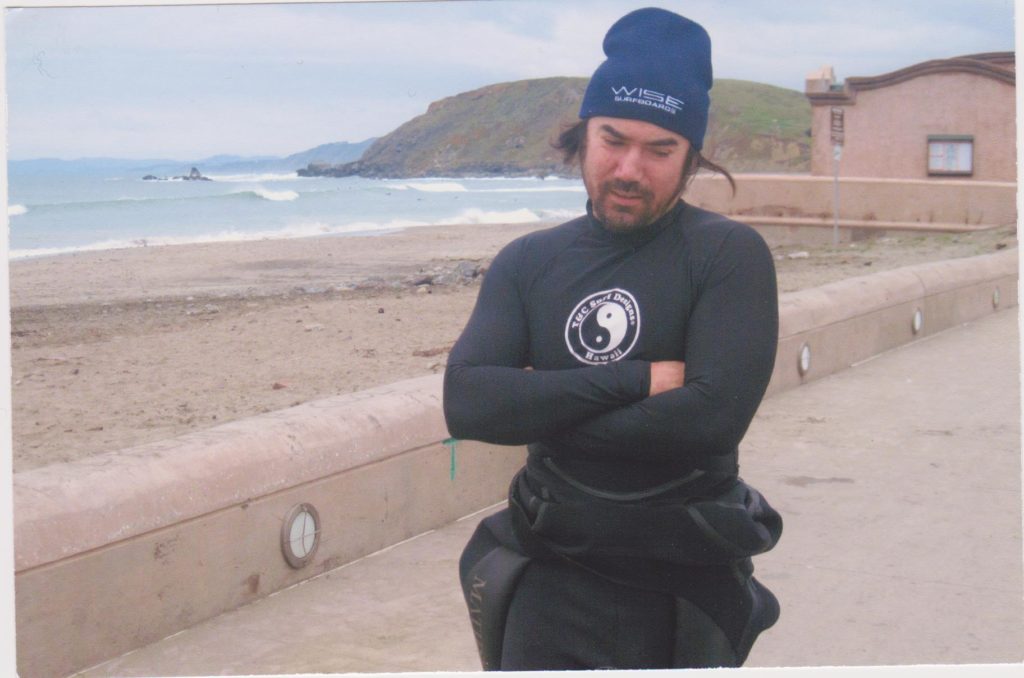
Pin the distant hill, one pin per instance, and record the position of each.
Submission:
(326, 154)
(56, 166)
(331, 154)
(758, 128)
(507, 129)
(502, 129)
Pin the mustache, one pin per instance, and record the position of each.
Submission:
(626, 187)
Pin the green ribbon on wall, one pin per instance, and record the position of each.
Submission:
(451, 443)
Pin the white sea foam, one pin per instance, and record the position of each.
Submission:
(298, 230)
(276, 196)
(51, 251)
(16, 210)
(430, 187)
(267, 176)
(478, 216)
(561, 214)
(161, 241)
(306, 229)
(42, 252)
(539, 189)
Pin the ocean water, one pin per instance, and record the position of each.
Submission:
(63, 214)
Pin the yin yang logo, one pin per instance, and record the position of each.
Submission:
(603, 327)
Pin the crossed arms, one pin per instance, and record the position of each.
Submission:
(637, 409)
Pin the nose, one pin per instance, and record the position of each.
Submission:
(628, 167)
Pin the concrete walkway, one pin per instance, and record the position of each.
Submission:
(900, 483)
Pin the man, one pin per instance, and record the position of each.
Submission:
(629, 349)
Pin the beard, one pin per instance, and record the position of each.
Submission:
(642, 211)
(641, 208)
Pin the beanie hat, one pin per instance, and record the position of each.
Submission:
(658, 70)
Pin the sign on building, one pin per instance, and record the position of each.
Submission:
(837, 126)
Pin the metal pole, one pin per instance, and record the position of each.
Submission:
(837, 152)
(837, 124)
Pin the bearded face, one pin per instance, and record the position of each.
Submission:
(633, 171)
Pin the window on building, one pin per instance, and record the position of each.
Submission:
(950, 155)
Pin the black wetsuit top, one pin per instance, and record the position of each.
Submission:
(588, 309)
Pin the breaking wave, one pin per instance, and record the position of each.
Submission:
(310, 229)
(276, 196)
(430, 187)
(254, 178)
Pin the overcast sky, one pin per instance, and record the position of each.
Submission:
(187, 82)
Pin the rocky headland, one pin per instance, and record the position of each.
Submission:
(193, 175)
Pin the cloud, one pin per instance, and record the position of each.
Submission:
(279, 73)
(116, 129)
(778, 43)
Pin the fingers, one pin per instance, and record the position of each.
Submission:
(667, 375)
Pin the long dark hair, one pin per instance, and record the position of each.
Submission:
(573, 140)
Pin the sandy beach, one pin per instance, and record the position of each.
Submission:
(120, 347)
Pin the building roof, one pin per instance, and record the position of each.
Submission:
(996, 65)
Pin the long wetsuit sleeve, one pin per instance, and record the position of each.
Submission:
(489, 396)
(730, 352)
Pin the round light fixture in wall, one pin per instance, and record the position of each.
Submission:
(804, 363)
(300, 535)
(918, 321)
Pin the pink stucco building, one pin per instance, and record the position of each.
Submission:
(937, 119)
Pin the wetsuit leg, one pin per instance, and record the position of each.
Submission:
(719, 616)
(563, 617)
(489, 571)
(700, 642)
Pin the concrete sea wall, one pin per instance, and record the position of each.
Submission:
(119, 550)
(799, 207)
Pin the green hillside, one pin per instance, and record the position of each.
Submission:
(503, 129)
(758, 128)
(507, 129)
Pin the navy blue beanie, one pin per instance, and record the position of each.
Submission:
(658, 70)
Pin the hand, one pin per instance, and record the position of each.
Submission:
(666, 375)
